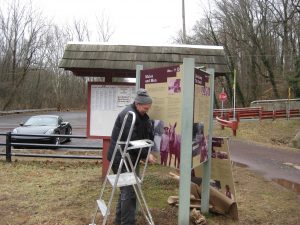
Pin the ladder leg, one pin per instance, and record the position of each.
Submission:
(104, 185)
(122, 162)
(109, 205)
(94, 216)
(143, 203)
(139, 193)
(140, 202)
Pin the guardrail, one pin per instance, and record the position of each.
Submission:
(225, 116)
(277, 104)
(30, 146)
(255, 113)
(233, 124)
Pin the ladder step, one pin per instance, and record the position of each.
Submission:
(102, 206)
(125, 179)
(140, 144)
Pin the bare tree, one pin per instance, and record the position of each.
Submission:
(296, 4)
(81, 30)
(261, 39)
(68, 90)
(21, 28)
(30, 51)
(104, 28)
(284, 12)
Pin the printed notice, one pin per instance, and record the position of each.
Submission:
(106, 101)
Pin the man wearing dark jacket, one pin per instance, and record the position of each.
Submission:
(126, 207)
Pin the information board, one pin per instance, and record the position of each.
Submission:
(221, 171)
(165, 87)
(105, 101)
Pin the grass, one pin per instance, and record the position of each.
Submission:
(45, 192)
(278, 132)
(64, 192)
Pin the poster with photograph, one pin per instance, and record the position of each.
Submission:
(201, 117)
(165, 87)
(221, 171)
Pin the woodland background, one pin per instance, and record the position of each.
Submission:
(261, 39)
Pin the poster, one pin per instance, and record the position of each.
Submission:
(105, 103)
(221, 172)
(165, 87)
(201, 117)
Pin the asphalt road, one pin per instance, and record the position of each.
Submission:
(272, 163)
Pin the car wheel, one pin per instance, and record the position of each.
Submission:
(57, 141)
(69, 132)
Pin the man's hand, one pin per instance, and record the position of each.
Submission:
(152, 158)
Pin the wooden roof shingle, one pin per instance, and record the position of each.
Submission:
(103, 59)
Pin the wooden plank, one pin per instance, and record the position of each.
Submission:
(185, 49)
(144, 57)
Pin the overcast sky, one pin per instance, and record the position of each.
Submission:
(134, 21)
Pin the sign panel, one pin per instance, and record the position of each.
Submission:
(221, 172)
(105, 101)
(201, 117)
(222, 96)
(165, 87)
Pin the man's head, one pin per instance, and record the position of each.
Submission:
(166, 130)
(142, 101)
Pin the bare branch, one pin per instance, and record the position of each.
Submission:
(104, 28)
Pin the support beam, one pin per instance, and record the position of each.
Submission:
(207, 164)
(187, 110)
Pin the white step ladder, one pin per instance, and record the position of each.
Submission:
(127, 178)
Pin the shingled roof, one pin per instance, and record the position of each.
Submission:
(102, 59)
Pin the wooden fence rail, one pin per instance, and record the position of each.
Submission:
(226, 118)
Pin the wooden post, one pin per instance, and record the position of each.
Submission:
(8, 147)
(105, 162)
(207, 165)
(186, 140)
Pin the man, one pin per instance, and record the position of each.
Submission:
(126, 206)
(164, 146)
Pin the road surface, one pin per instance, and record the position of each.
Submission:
(272, 162)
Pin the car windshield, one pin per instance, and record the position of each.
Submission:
(41, 121)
